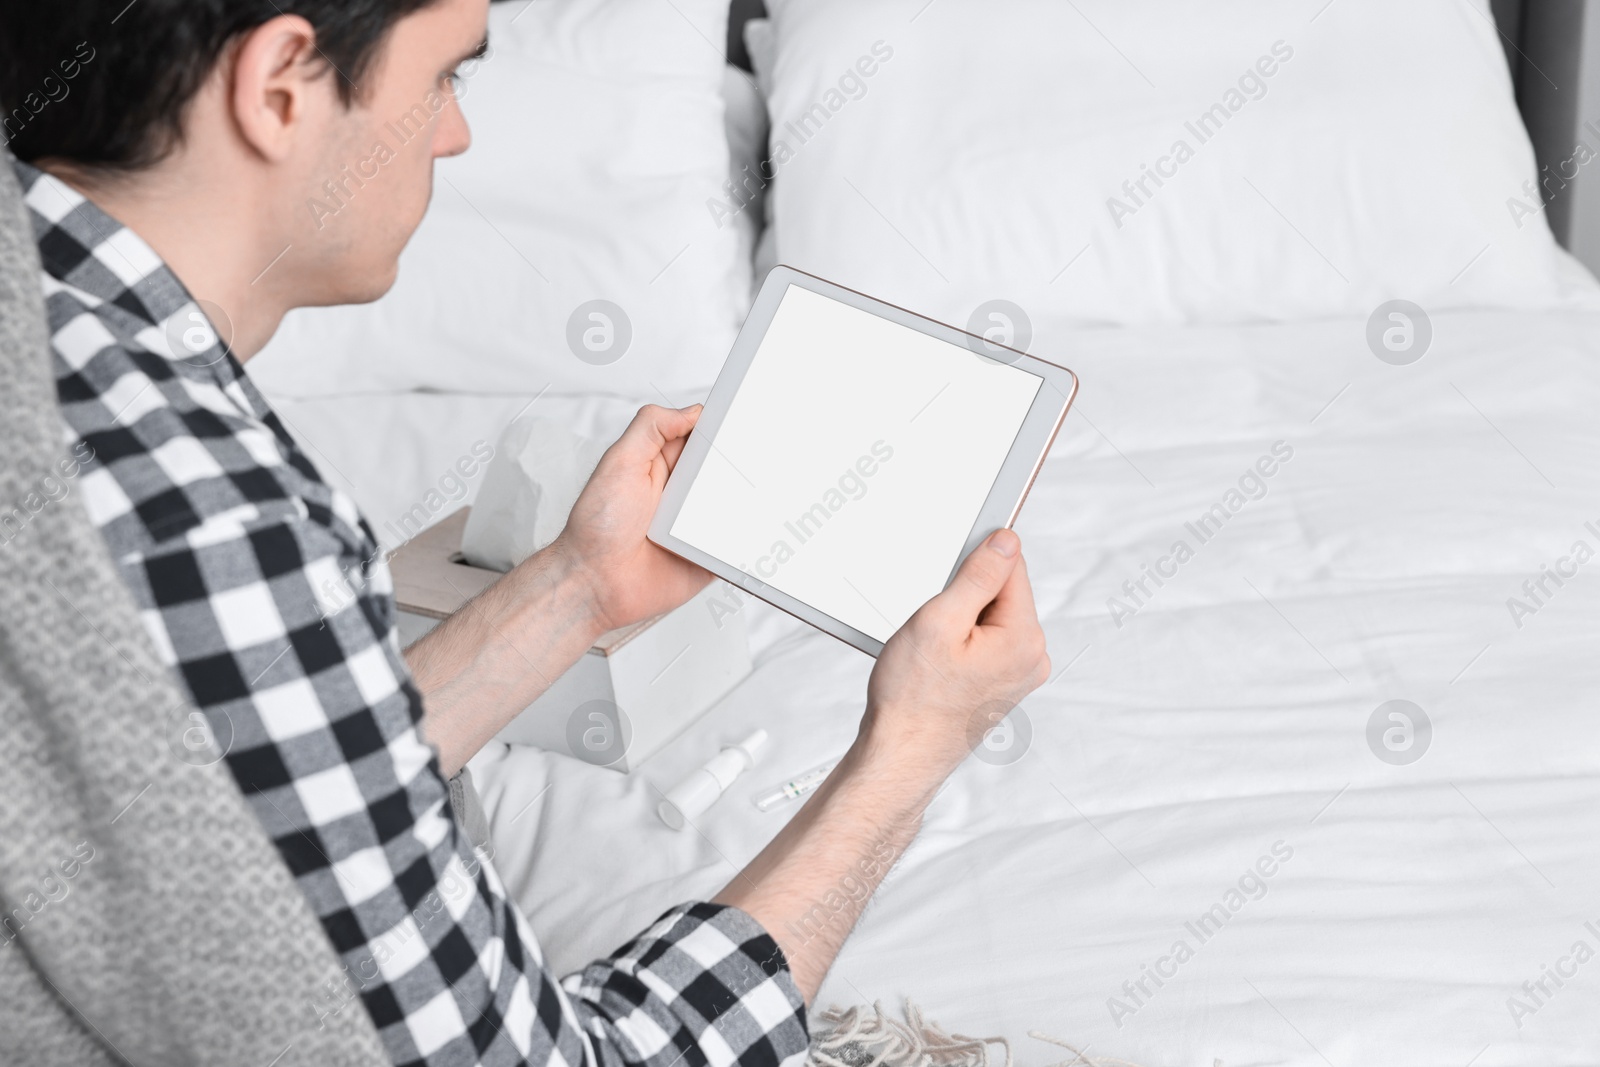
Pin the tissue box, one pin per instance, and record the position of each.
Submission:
(632, 693)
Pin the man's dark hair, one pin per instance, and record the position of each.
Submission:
(107, 84)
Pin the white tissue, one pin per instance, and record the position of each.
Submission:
(539, 467)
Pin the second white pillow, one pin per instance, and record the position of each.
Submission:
(576, 245)
(1156, 161)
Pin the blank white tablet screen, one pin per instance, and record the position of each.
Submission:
(853, 461)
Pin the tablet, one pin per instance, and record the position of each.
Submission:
(852, 453)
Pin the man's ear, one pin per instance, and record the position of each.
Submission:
(279, 81)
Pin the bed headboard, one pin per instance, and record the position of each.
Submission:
(1544, 43)
(739, 13)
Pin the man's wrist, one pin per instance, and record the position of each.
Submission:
(906, 761)
(557, 576)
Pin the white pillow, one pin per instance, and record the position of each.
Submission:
(598, 148)
(762, 49)
(945, 155)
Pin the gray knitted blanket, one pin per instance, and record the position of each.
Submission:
(146, 917)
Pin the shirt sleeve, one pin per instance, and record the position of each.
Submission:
(280, 625)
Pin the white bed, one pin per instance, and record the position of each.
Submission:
(1229, 715)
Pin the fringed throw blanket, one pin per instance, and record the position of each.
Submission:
(869, 1037)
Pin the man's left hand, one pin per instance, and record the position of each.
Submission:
(630, 577)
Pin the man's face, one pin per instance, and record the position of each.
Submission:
(368, 175)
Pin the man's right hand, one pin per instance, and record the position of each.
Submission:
(960, 664)
(949, 674)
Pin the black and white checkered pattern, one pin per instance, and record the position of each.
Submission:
(265, 591)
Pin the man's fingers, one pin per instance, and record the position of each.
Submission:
(1013, 605)
(673, 450)
(658, 425)
(982, 576)
(654, 428)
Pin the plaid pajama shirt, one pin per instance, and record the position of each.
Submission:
(264, 590)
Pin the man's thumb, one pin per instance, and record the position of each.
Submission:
(984, 573)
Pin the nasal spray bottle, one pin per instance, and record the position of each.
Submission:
(696, 793)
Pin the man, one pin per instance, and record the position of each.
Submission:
(167, 150)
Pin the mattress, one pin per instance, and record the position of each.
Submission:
(1205, 731)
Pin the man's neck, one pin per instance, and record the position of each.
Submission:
(210, 235)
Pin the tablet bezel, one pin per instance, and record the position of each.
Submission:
(1026, 455)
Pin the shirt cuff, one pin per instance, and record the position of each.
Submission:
(468, 809)
(720, 976)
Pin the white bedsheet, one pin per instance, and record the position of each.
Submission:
(1226, 716)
